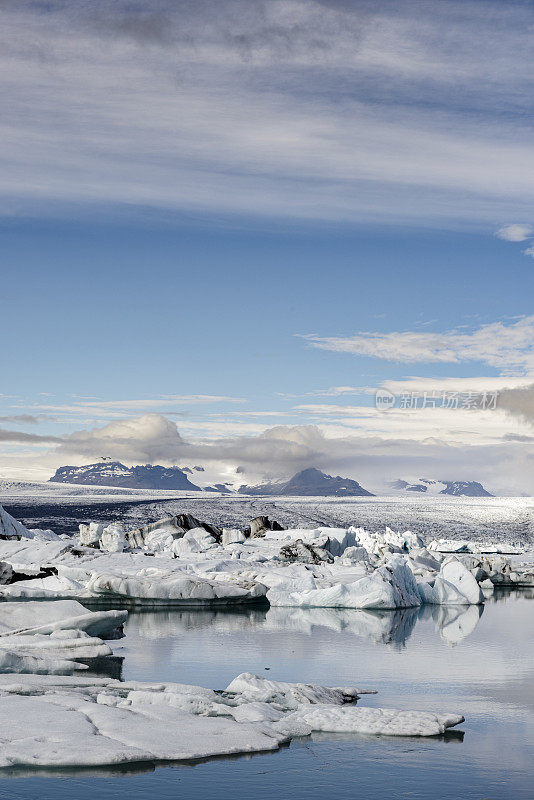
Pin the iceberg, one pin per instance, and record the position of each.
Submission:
(454, 585)
(159, 588)
(183, 561)
(47, 617)
(68, 721)
(288, 695)
(388, 587)
(375, 721)
(51, 637)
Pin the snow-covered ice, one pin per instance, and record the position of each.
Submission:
(183, 561)
(52, 637)
(78, 721)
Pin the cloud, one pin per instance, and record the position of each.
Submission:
(461, 427)
(478, 384)
(331, 111)
(333, 391)
(146, 439)
(94, 407)
(25, 419)
(508, 347)
(529, 251)
(27, 438)
(515, 233)
(519, 401)
(504, 463)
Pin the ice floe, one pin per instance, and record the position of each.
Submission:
(53, 637)
(77, 721)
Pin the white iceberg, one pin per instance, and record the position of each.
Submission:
(47, 617)
(78, 721)
(388, 587)
(374, 721)
(454, 585)
(288, 695)
(160, 588)
(51, 637)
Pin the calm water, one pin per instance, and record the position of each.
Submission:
(481, 666)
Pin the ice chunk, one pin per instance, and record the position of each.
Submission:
(74, 731)
(90, 534)
(113, 538)
(10, 528)
(45, 617)
(375, 721)
(173, 588)
(22, 662)
(388, 587)
(197, 540)
(232, 536)
(288, 695)
(307, 553)
(454, 572)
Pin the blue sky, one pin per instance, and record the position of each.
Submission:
(225, 225)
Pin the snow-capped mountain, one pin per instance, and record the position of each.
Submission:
(454, 488)
(310, 482)
(113, 473)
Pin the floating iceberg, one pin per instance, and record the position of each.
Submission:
(388, 587)
(374, 721)
(173, 589)
(52, 637)
(78, 721)
(183, 561)
(455, 585)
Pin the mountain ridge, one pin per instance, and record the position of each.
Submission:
(114, 473)
(433, 487)
(310, 482)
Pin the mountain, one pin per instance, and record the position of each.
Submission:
(218, 487)
(310, 482)
(113, 473)
(454, 488)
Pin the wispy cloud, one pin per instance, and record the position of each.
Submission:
(309, 110)
(23, 419)
(517, 232)
(332, 391)
(89, 407)
(507, 347)
(28, 438)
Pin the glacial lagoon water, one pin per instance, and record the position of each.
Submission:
(480, 664)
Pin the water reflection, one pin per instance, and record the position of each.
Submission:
(394, 628)
(381, 627)
(405, 655)
(454, 623)
(143, 767)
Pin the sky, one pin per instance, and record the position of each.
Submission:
(227, 224)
